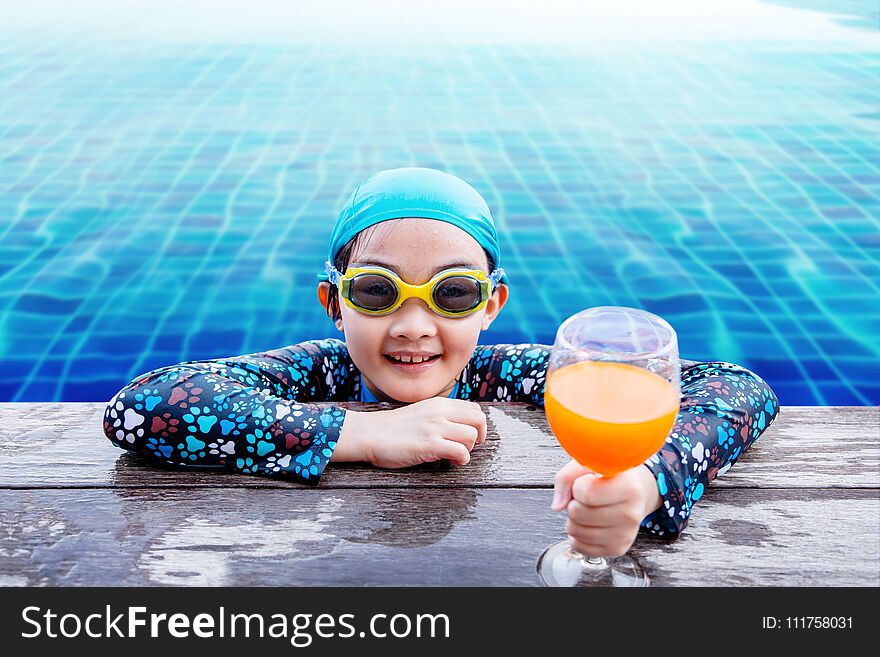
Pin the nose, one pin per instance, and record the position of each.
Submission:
(413, 320)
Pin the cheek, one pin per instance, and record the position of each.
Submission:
(460, 341)
(363, 335)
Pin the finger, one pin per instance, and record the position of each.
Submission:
(602, 543)
(590, 549)
(601, 517)
(461, 403)
(482, 429)
(469, 413)
(452, 451)
(460, 408)
(604, 491)
(563, 481)
(461, 433)
(590, 535)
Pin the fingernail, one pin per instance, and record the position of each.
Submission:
(557, 500)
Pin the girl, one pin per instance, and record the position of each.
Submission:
(412, 278)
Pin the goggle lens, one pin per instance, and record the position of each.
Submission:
(457, 294)
(372, 291)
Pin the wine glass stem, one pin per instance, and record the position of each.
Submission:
(590, 563)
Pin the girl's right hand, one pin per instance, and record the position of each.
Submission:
(428, 430)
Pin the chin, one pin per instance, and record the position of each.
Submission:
(410, 397)
(411, 394)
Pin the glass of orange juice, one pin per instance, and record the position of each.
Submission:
(611, 398)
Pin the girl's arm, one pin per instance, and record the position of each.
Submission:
(246, 414)
(724, 409)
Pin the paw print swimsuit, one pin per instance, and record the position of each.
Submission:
(256, 414)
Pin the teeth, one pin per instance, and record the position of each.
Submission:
(410, 359)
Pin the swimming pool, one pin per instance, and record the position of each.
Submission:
(168, 181)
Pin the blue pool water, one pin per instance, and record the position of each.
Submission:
(168, 182)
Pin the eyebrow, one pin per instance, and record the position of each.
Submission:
(388, 265)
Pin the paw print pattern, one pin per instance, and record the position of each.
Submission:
(233, 424)
(511, 366)
(306, 465)
(725, 435)
(699, 460)
(164, 425)
(159, 447)
(298, 437)
(220, 404)
(192, 449)
(238, 371)
(277, 463)
(184, 395)
(259, 442)
(147, 399)
(261, 417)
(246, 465)
(488, 388)
(200, 420)
(221, 446)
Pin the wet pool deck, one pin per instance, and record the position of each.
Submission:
(801, 508)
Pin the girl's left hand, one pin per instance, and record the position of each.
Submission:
(604, 513)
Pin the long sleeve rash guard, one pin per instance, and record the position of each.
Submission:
(256, 414)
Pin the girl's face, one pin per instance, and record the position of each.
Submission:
(416, 249)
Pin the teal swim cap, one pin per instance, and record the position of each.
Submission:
(415, 192)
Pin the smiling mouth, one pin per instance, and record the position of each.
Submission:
(400, 362)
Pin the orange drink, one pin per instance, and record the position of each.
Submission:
(609, 416)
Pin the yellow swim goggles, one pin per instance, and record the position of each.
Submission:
(375, 290)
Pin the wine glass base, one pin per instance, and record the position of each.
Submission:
(560, 565)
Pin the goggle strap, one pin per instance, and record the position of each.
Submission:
(495, 276)
(332, 273)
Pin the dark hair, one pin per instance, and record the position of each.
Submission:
(343, 257)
